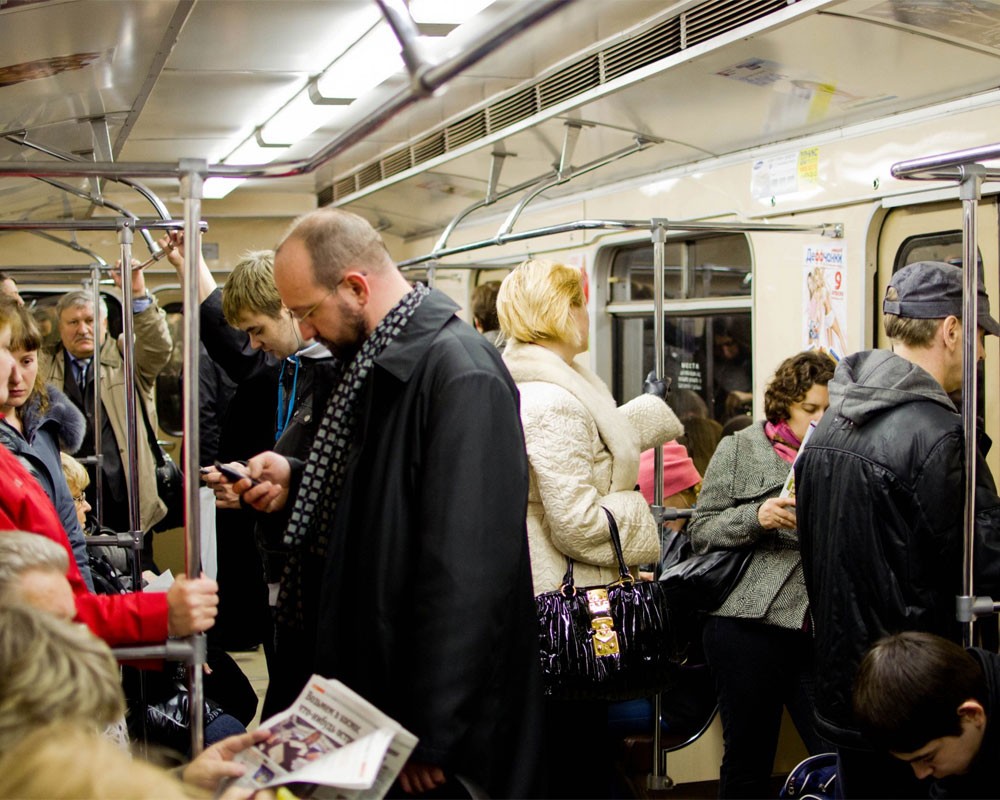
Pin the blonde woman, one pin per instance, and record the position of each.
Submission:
(583, 456)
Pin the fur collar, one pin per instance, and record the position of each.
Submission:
(530, 362)
(68, 421)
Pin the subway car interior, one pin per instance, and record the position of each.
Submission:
(736, 180)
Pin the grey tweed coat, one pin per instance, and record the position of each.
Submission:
(744, 472)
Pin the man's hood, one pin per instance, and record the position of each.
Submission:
(868, 383)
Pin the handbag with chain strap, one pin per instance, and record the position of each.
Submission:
(610, 642)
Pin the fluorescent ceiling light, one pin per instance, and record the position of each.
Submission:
(298, 119)
(453, 12)
(371, 60)
(218, 188)
(249, 152)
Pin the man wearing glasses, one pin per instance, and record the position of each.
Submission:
(409, 575)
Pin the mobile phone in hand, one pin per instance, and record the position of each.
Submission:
(234, 475)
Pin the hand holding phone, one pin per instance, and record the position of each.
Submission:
(234, 475)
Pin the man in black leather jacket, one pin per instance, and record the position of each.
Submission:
(880, 498)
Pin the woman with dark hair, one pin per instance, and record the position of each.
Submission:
(38, 421)
(757, 642)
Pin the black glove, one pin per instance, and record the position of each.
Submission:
(660, 387)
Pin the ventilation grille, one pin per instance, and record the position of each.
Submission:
(697, 25)
(708, 20)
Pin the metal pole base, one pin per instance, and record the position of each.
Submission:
(659, 782)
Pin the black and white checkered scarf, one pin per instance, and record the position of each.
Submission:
(312, 517)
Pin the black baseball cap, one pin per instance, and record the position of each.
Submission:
(933, 290)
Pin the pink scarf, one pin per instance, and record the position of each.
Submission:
(785, 442)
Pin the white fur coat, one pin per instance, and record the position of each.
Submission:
(583, 454)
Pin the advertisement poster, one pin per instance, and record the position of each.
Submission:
(824, 300)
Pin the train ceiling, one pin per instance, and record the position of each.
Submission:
(677, 83)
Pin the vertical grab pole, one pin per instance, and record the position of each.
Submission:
(659, 779)
(970, 191)
(128, 369)
(95, 277)
(192, 185)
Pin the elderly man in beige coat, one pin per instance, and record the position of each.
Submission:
(70, 368)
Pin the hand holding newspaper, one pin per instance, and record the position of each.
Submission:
(333, 740)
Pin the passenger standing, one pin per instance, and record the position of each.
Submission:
(484, 313)
(39, 421)
(410, 561)
(256, 341)
(189, 606)
(880, 491)
(583, 456)
(70, 368)
(758, 643)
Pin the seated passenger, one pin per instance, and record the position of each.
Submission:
(57, 673)
(188, 607)
(930, 703)
(757, 642)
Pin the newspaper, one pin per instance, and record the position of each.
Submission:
(332, 743)
(788, 490)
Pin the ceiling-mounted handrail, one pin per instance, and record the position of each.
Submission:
(160, 208)
(429, 78)
(560, 173)
(834, 230)
(564, 175)
(79, 248)
(94, 224)
(948, 166)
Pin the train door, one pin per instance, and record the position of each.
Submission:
(707, 331)
(933, 232)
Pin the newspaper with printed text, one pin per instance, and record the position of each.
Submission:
(331, 743)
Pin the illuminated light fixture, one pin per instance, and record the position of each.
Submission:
(252, 151)
(447, 12)
(368, 62)
(299, 118)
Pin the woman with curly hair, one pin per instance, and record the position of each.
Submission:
(757, 642)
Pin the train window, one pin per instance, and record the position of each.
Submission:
(713, 266)
(943, 246)
(707, 331)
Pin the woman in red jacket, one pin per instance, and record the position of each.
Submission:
(188, 607)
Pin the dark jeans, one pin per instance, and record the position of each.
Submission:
(758, 670)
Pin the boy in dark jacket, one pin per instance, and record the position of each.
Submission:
(880, 499)
(929, 703)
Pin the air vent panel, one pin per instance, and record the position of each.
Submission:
(646, 48)
(715, 18)
(697, 25)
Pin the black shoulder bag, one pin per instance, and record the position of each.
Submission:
(610, 642)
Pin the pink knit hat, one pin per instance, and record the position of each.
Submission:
(679, 472)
